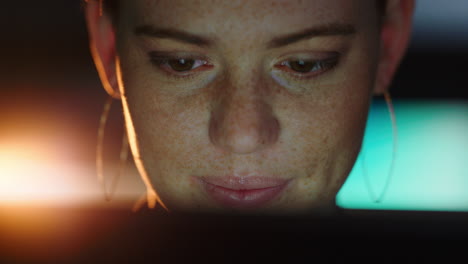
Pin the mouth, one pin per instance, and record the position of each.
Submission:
(243, 192)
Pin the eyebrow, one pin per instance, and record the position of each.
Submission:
(323, 30)
(169, 33)
(189, 38)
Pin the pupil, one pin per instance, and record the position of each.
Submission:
(181, 64)
(302, 66)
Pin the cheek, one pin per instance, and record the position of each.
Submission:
(170, 131)
(325, 130)
(164, 124)
(169, 135)
(329, 116)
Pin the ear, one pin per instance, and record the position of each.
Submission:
(102, 44)
(394, 38)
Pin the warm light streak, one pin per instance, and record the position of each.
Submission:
(29, 173)
(49, 200)
(39, 171)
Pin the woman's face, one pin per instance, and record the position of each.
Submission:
(246, 105)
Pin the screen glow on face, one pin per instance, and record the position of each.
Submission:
(431, 171)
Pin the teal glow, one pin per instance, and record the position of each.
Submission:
(431, 166)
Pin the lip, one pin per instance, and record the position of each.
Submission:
(243, 192)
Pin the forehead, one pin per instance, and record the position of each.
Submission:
(215, 16)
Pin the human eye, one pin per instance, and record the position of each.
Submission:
(178, 65)
(308, 67)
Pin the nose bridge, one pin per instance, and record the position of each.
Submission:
(242, 121)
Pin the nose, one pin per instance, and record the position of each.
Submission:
(242, 122)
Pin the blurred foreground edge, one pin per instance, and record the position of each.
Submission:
(85, 235)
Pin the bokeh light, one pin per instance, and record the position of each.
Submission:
(42, 163)
(431, 166)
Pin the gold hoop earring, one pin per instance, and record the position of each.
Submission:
(99, 153)
(380, 197)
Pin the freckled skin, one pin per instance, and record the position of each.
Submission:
(243, 120)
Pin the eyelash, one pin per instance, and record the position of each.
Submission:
(161, 60)
(323, 65)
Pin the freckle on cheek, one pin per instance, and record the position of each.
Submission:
(325, 140)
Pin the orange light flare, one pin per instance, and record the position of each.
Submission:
(37, 172)
(51, 204)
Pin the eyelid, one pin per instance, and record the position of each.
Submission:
(328, 62)
(164, 61)
(321, 56)
(161, 58)
(176, 55)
